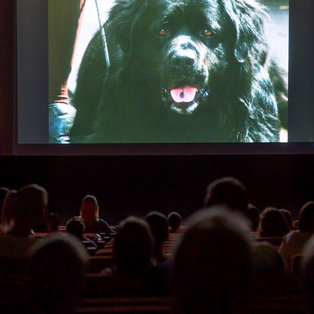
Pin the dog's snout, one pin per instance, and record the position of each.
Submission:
(183, 53)
(184, 58)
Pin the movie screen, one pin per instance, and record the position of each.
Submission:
(167, 71)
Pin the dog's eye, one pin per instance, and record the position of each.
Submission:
(207, 32)
(162, 32)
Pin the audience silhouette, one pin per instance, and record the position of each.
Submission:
(293, 242)
(133, 246)
(174, 221)
(227, 191)
(31, 206)
(253, 216)
(272, 223)
(308, 274)
(3, 192)
(213, 262)
(89, 212)
(55, 274)
(217, 261)
(159, 227)
(8, 214)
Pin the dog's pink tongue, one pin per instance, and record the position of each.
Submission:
(186, 94)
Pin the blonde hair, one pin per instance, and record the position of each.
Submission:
(89, 210)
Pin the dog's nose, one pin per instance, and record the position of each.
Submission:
(183, 58)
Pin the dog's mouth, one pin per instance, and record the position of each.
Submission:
(186, 94)
(183, 100)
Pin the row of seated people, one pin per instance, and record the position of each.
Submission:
(214, 265)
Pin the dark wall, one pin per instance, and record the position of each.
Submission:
(7, 79)
(135, 185)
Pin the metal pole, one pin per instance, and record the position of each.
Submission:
(103, 35)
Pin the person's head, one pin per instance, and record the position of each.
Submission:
(3, 192)
(308, 273)
(212, 262)
(174, 221)
(31, 205)
(89, 210)
(266, 259)
(158, 225)
(55, 273)
(227, 191)
(287, 214)
(52, 222)
(252, 214)
(9, 208)
(306, 217)
(133, 246)
(76, 227)
(272, 223)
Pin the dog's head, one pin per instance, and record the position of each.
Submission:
(187, 45)
(190, 35)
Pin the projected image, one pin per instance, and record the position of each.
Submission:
(168, 71)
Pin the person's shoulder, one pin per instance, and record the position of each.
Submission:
(291, 235)
(103, 226)
(297, 235)
(12, 246)
(101, 221)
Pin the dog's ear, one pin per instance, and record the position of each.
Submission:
(122, 19)
(245, 15)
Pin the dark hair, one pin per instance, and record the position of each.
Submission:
(30, 209)
(31, 200)
(287, 214)
(8, 213)
(272, 223)
(158, 225)
(306, 217)
(252, 214)
(227, 191)
(212, 262)
(76, 226)
(56, 273)
(133, 246)
(174, 220)
(3, 192)
(52, 221)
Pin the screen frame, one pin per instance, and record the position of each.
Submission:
(300, 82)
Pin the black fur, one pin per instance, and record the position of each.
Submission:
(155, 45)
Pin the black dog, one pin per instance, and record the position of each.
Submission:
(181, 71)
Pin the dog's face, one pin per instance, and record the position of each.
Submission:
(192, 54)
(187, 47)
